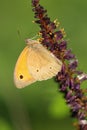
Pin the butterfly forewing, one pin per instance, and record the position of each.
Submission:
(22, 77)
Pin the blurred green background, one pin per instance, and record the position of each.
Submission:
(39, 106)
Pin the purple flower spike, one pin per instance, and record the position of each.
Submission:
(52, 26)
(81, 115)
(69, 78)
(72, 84)
(76, 106)
(58, 35)
(68, 95)
(71, 100)
(35, 2)
(63, 87)
(73, 64)
(68, 55)
(62, 45)
(77, 86)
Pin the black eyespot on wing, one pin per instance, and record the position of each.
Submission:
(21, 76)
(37, 70)
(50, 67)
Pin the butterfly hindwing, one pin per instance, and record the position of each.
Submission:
(42, 64)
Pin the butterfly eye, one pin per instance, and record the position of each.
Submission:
(21, 76)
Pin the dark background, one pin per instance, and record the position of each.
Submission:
(39, 106)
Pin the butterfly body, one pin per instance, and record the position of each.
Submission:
(35, 63)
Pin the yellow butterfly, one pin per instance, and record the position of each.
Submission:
(35, 63)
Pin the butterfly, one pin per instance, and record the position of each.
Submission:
(35, 63)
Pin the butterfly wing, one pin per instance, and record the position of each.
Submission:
(22, 77)
(42, 64)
